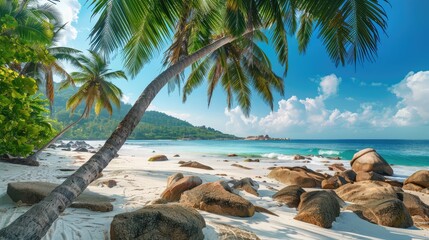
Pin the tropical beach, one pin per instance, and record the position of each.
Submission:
(138, 182)
(212, 119)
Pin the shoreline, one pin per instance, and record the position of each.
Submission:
(139, 182)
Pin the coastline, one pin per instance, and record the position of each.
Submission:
(139, 182)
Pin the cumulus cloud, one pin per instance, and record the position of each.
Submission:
(313, 115)
(413, 91)
(126, 99)
(69, 10)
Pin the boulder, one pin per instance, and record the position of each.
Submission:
(333, 182)
(176, 155)
(298, 157)
(232, 155)
(246, 184)
(300, 176)
(337, 167)
(366, 191)
(158, 158)
(389, 212)
(173, 192)
(418, 210)
(167, 221)
(174, 178)
(228, 232)
(289, 195)
(348, 175)
(394, 183)
(319, 208)
(364, 176)
(193, 164)
(412, 187)
(420, 178)
(217, 197)
(33, 192)
(81, 149)
(368, 160)
(240, 166)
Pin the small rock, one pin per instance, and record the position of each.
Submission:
(176, 155)
(158, 158)
(232, 155)
(193, 164)
(240, 166)
(251, 160)
(298, 157)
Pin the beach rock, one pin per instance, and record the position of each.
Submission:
(412, 187)
(420, 178)
(389, 212)
(174, 178)
(228, 232)
(110, 183)
(240, 166)
(176, 155)
(66, 149)
(364, 176)
(217, 197)
(173, 192)
(81, 149)
(246, 184)
(158, 158)
(289, 195)
(348, 175)
(193, 164)
(167, 221)
(337, 167)
(232, 155)
(301, 176)
(33, 192)
(366, 191)
(368, 160)
(394, 183)
(333, 182)
(159, 201)
(298, 157)
(319, 208)
(251, 160)
(418, 210)
(334, 158)
(181, 162)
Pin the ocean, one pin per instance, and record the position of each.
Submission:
(396, 152)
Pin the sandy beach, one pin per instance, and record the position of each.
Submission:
(140, 181)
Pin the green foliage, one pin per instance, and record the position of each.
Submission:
(23, 122)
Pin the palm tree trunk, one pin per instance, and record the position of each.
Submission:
(35, 222)
(34, 156)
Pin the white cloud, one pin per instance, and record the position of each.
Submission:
(126, 99)
(69, 11)
(413, 91)
(376, 84)
(312, 114)
(329, 85)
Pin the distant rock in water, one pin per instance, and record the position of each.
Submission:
(368, 160)
(158, 158)
(34, 192)
(166, 221)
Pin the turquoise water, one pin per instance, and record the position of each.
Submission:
(399, 152)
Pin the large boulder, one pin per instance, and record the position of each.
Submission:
(418, 210)
(167, 221)
(228, 232)
(319, 208)
(420, 178)
(366, 191)
(348, 175)
(193, 164)
(246, 184)
(364, 176)
(333, 182)
(33, 192)
(389, 212)
(300, 176)
(368, 160)
(217, 197)
(289, 195)
(412, 187)
(173, 192)
(174, 178)
(158, 158)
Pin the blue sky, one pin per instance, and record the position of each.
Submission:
(388, 98)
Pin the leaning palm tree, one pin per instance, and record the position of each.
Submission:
(349, 30)
(95, 90)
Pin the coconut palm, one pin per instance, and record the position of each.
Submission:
(95, 90)
(349, 30)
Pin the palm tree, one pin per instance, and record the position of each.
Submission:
(95, 90)
(349, 29)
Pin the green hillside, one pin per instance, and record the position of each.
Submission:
(154, 125)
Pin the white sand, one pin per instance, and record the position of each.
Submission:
(140, 182)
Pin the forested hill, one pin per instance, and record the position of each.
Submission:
(154, 125)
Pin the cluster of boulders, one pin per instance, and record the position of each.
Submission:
(374, 197)
(78, 146)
